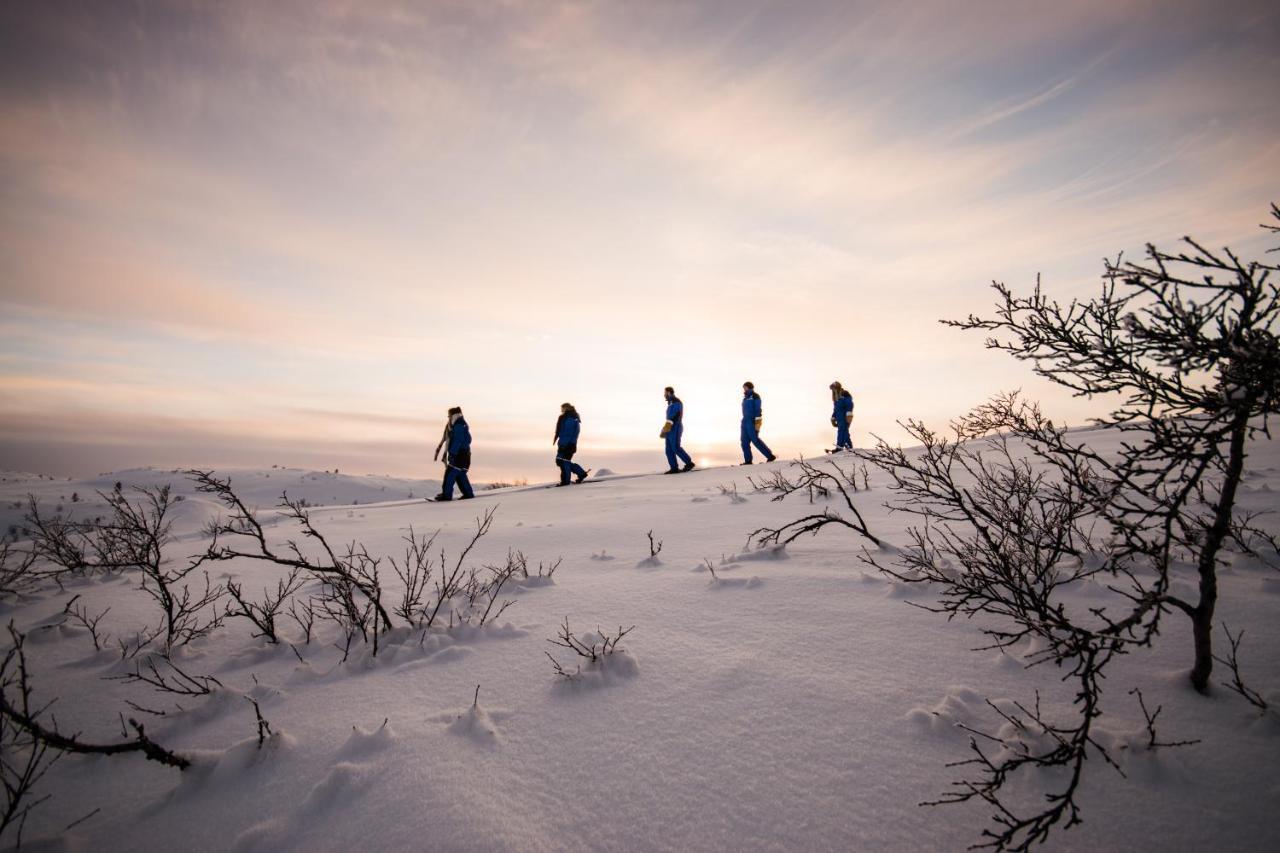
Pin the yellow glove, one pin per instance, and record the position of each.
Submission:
(833, 420)
(666, 428)
(758, 422)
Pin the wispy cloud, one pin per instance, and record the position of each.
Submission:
(321, 222)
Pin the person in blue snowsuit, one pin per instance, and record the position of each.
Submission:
(566, 440)
(457, 457)
(841, 416)
(752, 418)
(672, 431)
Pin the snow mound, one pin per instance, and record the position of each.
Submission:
(768, 552)
(362, 743)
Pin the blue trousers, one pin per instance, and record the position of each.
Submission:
(673, 447)
(459, 476)
(564, 459)
(842, 435)
(750, 437)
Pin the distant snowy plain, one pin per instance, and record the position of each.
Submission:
(796, 701)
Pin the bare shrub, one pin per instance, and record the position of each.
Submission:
(262, 614)
(820, 479)
(353, 594)
(133, 538)
(593, 652)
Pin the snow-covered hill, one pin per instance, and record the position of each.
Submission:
(257, 487)
(794, 701)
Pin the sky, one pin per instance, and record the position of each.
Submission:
(243, 233)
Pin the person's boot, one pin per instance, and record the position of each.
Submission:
(582, 476)
(771, 459)
(688, 466)
(442, 497)
(672, 471)
(748, 462)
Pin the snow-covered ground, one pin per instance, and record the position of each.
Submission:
(794, 702)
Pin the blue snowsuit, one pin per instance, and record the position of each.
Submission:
(752, 409)
(675, 414)
(843, 407)
(459, 460)
(567, 429)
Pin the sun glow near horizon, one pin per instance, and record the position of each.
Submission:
(256, 234)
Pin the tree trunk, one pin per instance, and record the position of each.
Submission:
(1202, 618)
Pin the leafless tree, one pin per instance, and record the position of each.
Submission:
(1010, 508)
(1187, 343)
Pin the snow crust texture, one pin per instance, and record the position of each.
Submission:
(777, 699)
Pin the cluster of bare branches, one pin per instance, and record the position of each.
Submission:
(477, 592)
(133, 538)
(592, 650)
(351, 590)
(262, 614)
(824, 481)
(19, 571)
(482, 591)
(1153, 737)
(163, 675)
(351, 587)
(414, 572)
(29, 745)
(857, 478)
(545, 570)
(74, 611)
(1232, 663)
(1252, 540)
